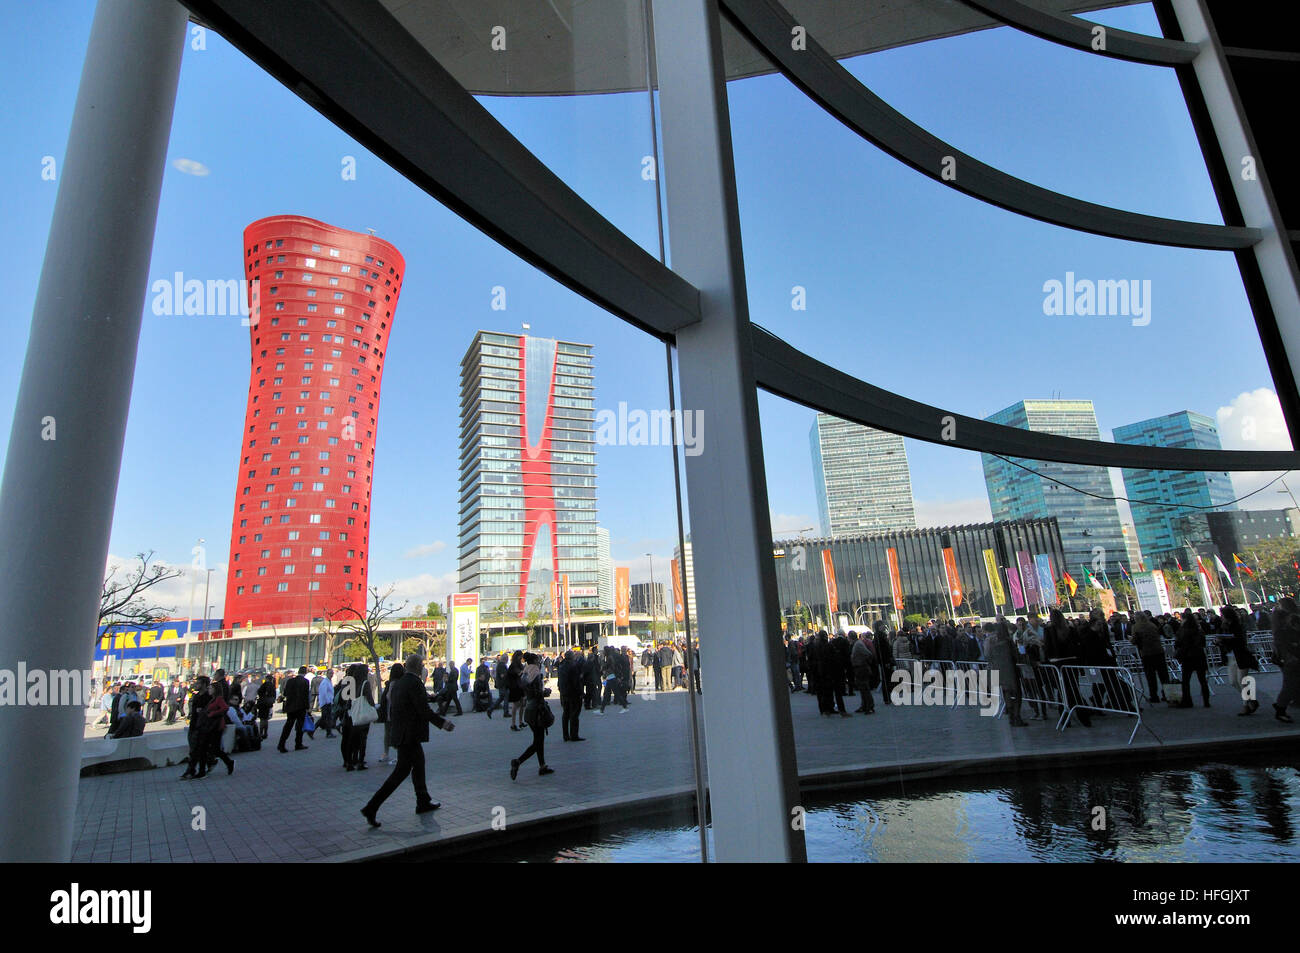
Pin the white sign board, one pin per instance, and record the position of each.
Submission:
(1152, 593)
(463, 643)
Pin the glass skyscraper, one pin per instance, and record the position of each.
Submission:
(1089, 526)
(863, 483)
(527, 473)
(1158, 530)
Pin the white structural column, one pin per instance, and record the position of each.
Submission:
(65, 448)
(749, 738)
(1277, 265)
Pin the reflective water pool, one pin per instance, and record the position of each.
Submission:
(1214, 811)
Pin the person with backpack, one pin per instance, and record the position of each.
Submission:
(537, 715)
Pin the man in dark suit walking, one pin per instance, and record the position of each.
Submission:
(297, 696)
(409, 714)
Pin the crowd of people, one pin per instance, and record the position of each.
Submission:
(856, 663)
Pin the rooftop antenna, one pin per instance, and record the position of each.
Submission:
(370, 229)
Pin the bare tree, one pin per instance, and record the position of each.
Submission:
(122, 600)
(363, 627)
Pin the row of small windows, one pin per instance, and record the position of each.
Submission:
(284, 587)
(294, 535)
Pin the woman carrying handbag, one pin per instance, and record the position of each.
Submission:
(355, 708)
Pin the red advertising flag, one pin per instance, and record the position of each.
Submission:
(895, 580)
(832, 593)
(679, 608)
(565, 577)
(954, 581)
(622, 595)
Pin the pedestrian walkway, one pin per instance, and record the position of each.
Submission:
(303, 806)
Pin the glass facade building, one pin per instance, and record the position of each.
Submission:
(527, 472)
(862, 479)
(1020, 488)
(1157, 529)
(861, 565)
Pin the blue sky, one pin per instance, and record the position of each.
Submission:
(909, 285)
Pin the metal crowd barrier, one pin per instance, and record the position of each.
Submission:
(1102, 688)
(1040, 684)
(954, 676)
(1261, 643)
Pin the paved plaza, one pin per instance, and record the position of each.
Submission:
(303, 806)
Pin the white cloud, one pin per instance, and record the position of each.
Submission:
(1254, 421)
(420, 590)
(791, 523)
(190, 167)
(181, 593)
(973, 509)
(425, 549)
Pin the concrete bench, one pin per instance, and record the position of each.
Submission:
(111, 755)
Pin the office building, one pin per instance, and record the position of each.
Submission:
(861, 477)
(1028, 489)
(1195, 490)
(527, 472)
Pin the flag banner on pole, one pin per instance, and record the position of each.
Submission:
(1028, 577)
(1179, 564)
(1091, 579)
(1013, 582)
(895, 579)
(1240, 565)
(1123, 573)
(1046, 587)
(622, 595)
(1203, 575)
(1218, 564)
(954, 581)
(995, 578)
(1070, 584)
(555, 601)
(565, 577)
(832, 592)
(679, 606)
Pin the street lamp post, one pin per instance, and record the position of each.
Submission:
(203, 642)
(654, 609)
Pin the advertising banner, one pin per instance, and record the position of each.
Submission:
(1013, 583)
(954, 581)
(1028, 576)
(1107, 599)
(1046, 581)
(895, 579)
(462, 642)
(1152, 593)
(832, 592)
(995, 578)
(679, 606)
(622, 595)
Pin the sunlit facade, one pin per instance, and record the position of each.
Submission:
(527, 473)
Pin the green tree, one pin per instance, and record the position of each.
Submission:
(434, 610)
